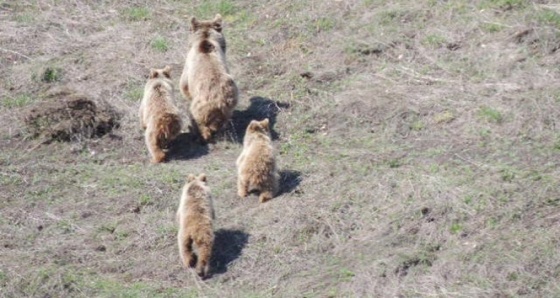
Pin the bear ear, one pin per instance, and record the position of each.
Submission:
(202, 177)
(194, 24)
(265, 123)
(153, 73)
(218, 19)
(251, 126)
(218, 23)
(190, 178)
(167, 71)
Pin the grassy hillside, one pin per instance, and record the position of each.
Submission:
(419, 144)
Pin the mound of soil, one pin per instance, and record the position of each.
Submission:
(68, 116)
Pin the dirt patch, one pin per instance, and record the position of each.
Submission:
(69, 116)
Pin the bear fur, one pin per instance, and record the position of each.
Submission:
(158, 114)
(256, 166)
(195, 216)
(206, 81)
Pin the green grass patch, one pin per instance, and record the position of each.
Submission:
(491, 27)
(16, 102)
(160, 44)
(51, 74)
(549, 17)
(324, 24)
(444, 117)
(507, 175)
(389, 16)
(434, 40)
(491, 115)
(208, 9)
(24, 18)
(346, 275)
(145, 200)
(417, 125)
(134, 92)
(456, 228)
(135, 14)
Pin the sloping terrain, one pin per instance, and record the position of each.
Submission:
(419, 144)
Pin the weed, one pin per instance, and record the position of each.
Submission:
(65, 226)
(324, 24)
(160, 44)
(491, 115)
(25, 18)
(388, 17)
(121, 235)
(492, 222)
(16, 102)
(484, 132)
(135, 14)
(145, 200)
(550, 17)
(394, 163)
(51, 74)
(491, 27)
(208, 9)
(134, 92)
(444, 117)
(434, 40)
(417, 125)
(108, 227)
(346, 275)
(556, 145)
(507, 175)
(456, 228)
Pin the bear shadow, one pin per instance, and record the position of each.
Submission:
(227, 247)
(186, 146)
(259, 109)
(289, 181)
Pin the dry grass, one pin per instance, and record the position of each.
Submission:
(419, 146)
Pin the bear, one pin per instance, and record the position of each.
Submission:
(159, 116)
(205, 81)
(195, 217)
(256, 165)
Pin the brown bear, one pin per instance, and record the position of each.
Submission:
(256, 166)
(195, 216)
(158, 115)
(205, 80)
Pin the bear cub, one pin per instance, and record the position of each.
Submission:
(195, 216)
(256, 166)
(159, 116)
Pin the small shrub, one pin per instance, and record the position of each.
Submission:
(51, 74)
